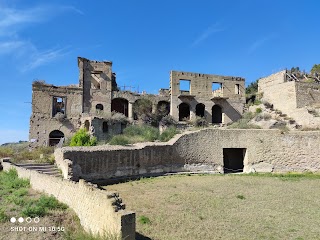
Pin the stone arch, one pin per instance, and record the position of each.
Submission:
(55, 137)
(141, 106)
(184, 111)
(120, 105)
(200, 107)
(99, 107)
(163, 107)
(216, 114)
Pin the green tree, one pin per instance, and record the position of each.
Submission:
(252, 88)
(315, 69)
(141, 108)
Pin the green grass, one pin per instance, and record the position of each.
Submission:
(248, 206)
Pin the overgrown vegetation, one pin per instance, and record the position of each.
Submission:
(142, 133)
(19, 152)
(82, 138)
(243, 123)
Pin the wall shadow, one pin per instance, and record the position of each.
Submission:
(139, 236)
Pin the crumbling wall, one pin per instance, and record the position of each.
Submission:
(231, 97)
(197, 151)
(43, 121)
(99, 211)
(308, 94)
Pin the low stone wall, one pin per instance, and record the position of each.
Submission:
(99, 211)
(265, 150)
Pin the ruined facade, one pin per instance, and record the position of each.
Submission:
(295, 94)
(57, 112)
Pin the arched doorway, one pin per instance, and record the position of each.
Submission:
(141, 107)
(200, 110)
(55, 137)
(184, 111)
(120, 105)
(163, 107)
(216, 114)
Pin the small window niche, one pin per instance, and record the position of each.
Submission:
(237, 89)
(185, 86)
(59, 106)
(216, 89)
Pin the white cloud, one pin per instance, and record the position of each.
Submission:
(12, 135)
(207, 33)
(13, 19)
(259, 43)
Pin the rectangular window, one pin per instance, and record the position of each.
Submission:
(216, 89)
(237, 89)
(58, 105)
(184, 86)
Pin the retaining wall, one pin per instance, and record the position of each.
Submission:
(266, 150)
(99, 211)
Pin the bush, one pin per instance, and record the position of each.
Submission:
(82, 138)
(167, 121)
(168, 134)
(119, 140)
(200, 122)
(263, 116)
(147, 132)
(258, 110)
(144, 220)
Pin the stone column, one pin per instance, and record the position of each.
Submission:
(130, 111)
(154, 108)
(192, 111)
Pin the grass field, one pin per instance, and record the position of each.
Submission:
(17, 200)
(225, 206)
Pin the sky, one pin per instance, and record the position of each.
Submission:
(145, 40)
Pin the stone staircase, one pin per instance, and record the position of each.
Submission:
(45, 168)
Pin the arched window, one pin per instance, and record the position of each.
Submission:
(99, 107)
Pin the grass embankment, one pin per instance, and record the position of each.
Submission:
(20, 151)
(17, 200)
(283, 206)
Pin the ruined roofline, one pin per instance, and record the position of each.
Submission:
(43, 84)
(93, 61)
(194, 74)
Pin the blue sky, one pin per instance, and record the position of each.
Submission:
(145, 40)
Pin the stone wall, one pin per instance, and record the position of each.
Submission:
(231, 96)
(308, 94)
(42, 121)
(273, 79)
(197, 151)
(99, 211)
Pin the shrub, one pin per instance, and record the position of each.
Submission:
(82, 138)
(144, 220)
(200, 122)
(258, 110)
(147, 132)
(6, 152)
(167, 121)
(119, 140)
(168, 134)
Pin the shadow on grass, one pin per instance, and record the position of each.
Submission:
(139, 236)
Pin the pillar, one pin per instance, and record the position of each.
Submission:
(130, 111)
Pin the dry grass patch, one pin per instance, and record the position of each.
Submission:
(225, 206)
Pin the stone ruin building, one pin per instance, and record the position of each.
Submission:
(59, 111)
(295, 94)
